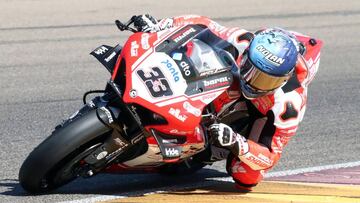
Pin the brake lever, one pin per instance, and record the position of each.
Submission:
(121, 26)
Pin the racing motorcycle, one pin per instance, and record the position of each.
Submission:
(152, 115)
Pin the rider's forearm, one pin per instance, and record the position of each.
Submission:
(191, 19)
(196, 19)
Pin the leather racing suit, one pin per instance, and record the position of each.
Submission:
(267, 122)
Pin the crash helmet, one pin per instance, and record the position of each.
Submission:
(268, 62)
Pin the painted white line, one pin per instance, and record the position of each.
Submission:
(96, 199)
(312, 169)
(300, 170)
(171, 101)
(202, 184)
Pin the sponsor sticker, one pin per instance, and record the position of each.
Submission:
(191, 109)
(177, 114)
(270, 56)
(172, 152)
(183, 34)
(111, 56)
(185, 67)
(145, 41)
(171, 68)
(209, 72)
(209, 96)
(169, 141)
(217, 82)
(134, 48)
(175, 131)
(101, 50)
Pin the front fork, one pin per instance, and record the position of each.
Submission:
(115, 144)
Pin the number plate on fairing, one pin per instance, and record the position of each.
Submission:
(158, 78)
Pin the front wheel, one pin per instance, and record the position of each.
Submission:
(59, 158)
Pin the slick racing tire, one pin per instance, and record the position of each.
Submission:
(57, 160)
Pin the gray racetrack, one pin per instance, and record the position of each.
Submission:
(45, 68)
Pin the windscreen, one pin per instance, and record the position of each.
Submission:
(212, 54)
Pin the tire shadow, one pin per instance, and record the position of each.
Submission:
(122, 185)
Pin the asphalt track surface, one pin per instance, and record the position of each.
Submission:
(45, 68)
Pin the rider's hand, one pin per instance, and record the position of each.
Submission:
(227, 138)
(146, 23)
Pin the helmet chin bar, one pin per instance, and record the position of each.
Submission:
(252, 95)
(247, 97)
(255, 96)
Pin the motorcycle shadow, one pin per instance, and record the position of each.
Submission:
(122, 185)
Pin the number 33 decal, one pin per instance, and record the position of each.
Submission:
(156, 82)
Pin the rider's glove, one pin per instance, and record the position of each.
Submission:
(146, 23)
(226, 137)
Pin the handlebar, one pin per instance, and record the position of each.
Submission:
(122, 27)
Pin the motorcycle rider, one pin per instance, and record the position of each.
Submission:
(273, 84)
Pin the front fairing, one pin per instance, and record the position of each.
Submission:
(177, 75)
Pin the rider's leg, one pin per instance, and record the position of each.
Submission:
(244, 177)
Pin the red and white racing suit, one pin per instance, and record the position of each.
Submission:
(272, 119)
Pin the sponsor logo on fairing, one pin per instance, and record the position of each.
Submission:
(169, 141)
(101, 50)
(216, 82)
(175, 131)
(185, 67)
(172, 70)
(145, 41)
(134, 48)
(208, 96)
(110, 57)
(209, 72)
(184, 34)
(191, 109)
(176, 114)
(269, 56)
(172, 152)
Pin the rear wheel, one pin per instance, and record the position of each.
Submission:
(59, 159)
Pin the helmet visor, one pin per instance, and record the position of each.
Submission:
(259, 80)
